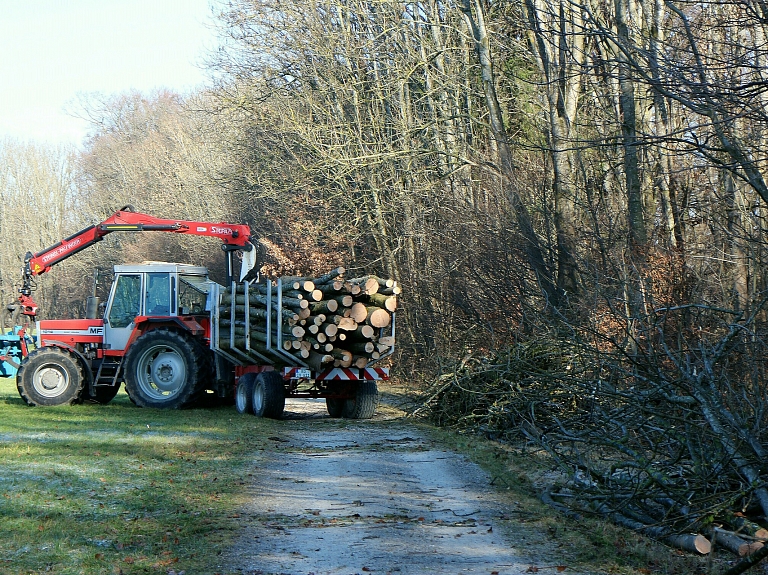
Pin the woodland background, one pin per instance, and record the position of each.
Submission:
(571, 194)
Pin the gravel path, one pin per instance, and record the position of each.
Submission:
(336, 497)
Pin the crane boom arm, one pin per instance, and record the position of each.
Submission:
(126, 220)
(234, 236)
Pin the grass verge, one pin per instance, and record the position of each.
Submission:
(115, 489)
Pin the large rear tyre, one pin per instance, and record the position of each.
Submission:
(50, 376)
(164, 369)
(363, 406)
(244, 393)
(268, 397)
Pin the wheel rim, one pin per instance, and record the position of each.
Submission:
(258, 398)
(161, 372)
(241, 398)
(50, 380)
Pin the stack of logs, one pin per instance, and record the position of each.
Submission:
(326, 321)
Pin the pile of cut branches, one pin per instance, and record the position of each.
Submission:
(666, 436)
(495, 394)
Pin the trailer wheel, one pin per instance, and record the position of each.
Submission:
(268, 395)
(50, 376)
(163, 370)
(365, 402)
(334, 406)
(244, 393)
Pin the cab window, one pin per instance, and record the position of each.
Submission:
(193, 294)
(158, 296)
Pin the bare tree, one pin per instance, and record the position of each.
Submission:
(40, 206)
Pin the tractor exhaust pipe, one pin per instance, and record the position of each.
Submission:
(92, 303)
(92, 307)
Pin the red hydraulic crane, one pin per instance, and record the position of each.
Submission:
(127, 219)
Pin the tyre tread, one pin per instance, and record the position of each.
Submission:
(365, 402)
(274, 395)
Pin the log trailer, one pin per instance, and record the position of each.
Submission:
(160, 334)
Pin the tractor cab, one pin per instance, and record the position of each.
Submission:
(155, 291)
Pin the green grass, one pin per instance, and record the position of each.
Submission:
(118, 489)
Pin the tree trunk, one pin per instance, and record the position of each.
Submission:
(475, 21)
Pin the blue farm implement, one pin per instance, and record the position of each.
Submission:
(14, 346)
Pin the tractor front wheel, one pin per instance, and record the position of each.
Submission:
(50, 376)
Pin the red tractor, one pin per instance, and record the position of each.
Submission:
(159, 335)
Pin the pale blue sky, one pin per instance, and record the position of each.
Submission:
(51, 50)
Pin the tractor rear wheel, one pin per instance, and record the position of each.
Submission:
(164, 369)
(50, 376)
(268, 395)
(365, 402)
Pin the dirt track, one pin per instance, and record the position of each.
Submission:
(348, 497)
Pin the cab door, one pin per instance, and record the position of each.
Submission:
(124, 305)
(158, 298)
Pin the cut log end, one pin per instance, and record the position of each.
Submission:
(692, 543)
(347, 324)
(330, 329)
(749, 548)
(358, 312)
(316, 295)
(371, 286)
(304, 313)
(366, 331)
(379, 317)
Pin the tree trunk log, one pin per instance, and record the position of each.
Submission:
(388, 303)
(368, 285)
(362, 332)
(326, 307)
(358, 312)
(378, 317)
(319, 361)
(728, 540)
(331, 275)
(344, 300)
